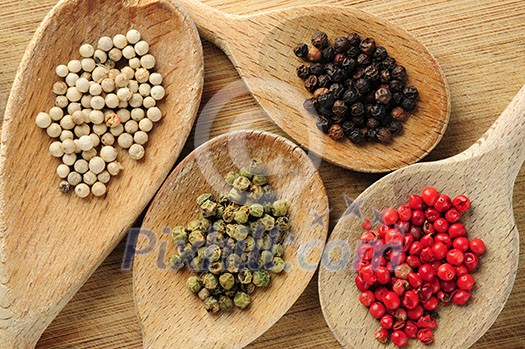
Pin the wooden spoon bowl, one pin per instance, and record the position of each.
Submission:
(486, 173)
(170, 315)
(50, 243)
(261, 48)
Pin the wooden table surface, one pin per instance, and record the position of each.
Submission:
(481, 47)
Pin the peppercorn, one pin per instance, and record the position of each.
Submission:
(337, 90)
(301, 50)
(359, 72)
(411, 92)
(383, 95)
(398, 113)
(326, 100)
(336, 132)
(354, 39)
(395, 127)
(357, 136)
(339, 58)
(379, 54)
(384, 76)
(378, 111)
(368, 46)
(303, 72)
(314, 55)
(350, 96)
(348, 65)
(324, 80)
(323, 124)
(311, 83)
(372, 123)
(371, 135)
(408, 104)
(362, 85)
(339, 108)
(320, 40)
(363, 59)
(357, 109)
(399, 72)
(384, 135)
(316, 69)
(328, 54)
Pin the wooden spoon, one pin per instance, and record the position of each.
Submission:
(261, 48)
(50, 243)
(486, 173)
(173, 317)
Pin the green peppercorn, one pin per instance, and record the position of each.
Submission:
(257, 167)
(283, 224)
(203, 198)
(240, 232)
(267, 221)
(196, 238)
(257, 229)
(196, 264)
(204, 293)
(242, 183)
(211, 304)
(227, 281)
(250, 243)
(231, 177)
(242, 300)
(216, 268)
(236, 195)
(228, 213)
(256, 210)
(200, 252)
(209, 208)
(277, 250)
(278, 265)
(245, 276)
(193, 284)
(176, 262)
(219, 226)
(212, 253)
(256, 193)
(179, 235)
(279, 208)
(261, 278)
(249, 288)
(233, 263)
(241, 215)
(260, 180)
(264, 243)
(245, 172)
(193, 225)
(266, 257)
(204, 224)
(220, 211)
(215, 238)
(209, 281)
(225, 303)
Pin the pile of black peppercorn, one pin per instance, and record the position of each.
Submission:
(359, 91)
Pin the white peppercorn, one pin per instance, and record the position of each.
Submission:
(86, 50)
(82, 85)
(61, 101)
(108, 85)
(54, 130)
(96, 117)
(124, 94)
(136, 100)
(74, 66)
(114, 168)
(89, 178)
(154, 114)
(74, 178)
(145, 89)
(73, 107)
(71, 79)
(149, 102)
(125, 140)
(100, 129)
(110, 64)
(120, 41)
(111, 100)
(85, 101)
(122, 104)
(68, 146)
(134, 62)
(81, 130)
(142, 75)
(88, 64)
(157, 92)
(59, 88)
(121, 80)
(90, 154)
(137, 114)
(95, 89)
(77, 147)
(63, 171)
(117, 130)
(98, 102)
(73, 94)
(95, 138)
(56, 150)
(43, 120)
(82, 190)
(104, 177)
(69, 159)
(85, 143)
(128, 72)
(115, 54)
(142, 48)
(56, 113)
(97, 165)
(98, 189)
(108, 153)
(108, 139)
(81, 166)
(67, 122)
(100, 57)
(133, 85)
(99, 74)
(145, 125)
(61, 70)
(155, 78)
(128, 52)
(105, 43)
(140, 137)
(136, 152)
(113, 73)
(66, 134)
(78, 117)
(133, 36)
(147, 61)
(131, 126)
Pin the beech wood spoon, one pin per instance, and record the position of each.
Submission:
(50, 243)
(173, 317)
(486, 173)
(261, 48)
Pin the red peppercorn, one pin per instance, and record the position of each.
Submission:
(452, 215)
(400, 286)
(460, 297)
(369, 236)
(428, 228)
(398, 325)
(430, 196)
(402, 271)
(455, 257)
(427, 256)
(368, 274)
(411, 329)
(382, 275)
(404, 212)
(416, 202)
(443, 238)
(381, 231)
(427, 241)
(380, 292)
(377, 310)
(431, 304)
(426, 321)
(461, 203)
(440, 250)
(426, 272)
(477, 246)
(435, 286)
(461, 270)
(415, 248)
(367, 298)
(403, 227)
(387, 322)
(409, 239)
(365, 252)
(471, 261)
(400, 314)
(444, 298)
(410, 300)
(415, 280)
(381, 335)
(389, 216)
(443, 203)
(441, 225)
(415, 232)
(399, 338)
(456, 230)
(361, 284)
(397, 257)
(461, 244)
(425, 292)
(416, 313)
(367, 225)
(413, 261)
(425, 336)
(446, 272)
(466, 282)
(394, 237)
(448, 286)
(418, 217)
(431, 214)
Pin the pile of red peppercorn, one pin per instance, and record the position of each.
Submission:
(359, 91)
(419, 258)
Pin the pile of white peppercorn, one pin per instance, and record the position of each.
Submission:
(107, 97)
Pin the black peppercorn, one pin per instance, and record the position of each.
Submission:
(303, 72)
(379, 54)
(368, 46)
(320, 40)
(359, 72)
(369, 98)
(399, 72)
(357, 136)
(358, 120)
(341, 45)
(326, 112)
(323, 124)
(371, 135)
(336, 132)
(339, 108)
(395, 85)
(395, 127)
(399, 113)
(339, 58)
(372, 72)
(301, 50)
(363, 59)
(408, 104)
(354, 39)
(372, 123)
(338, 90)
(411, 92)
(314, 55)
(328, 54)
(316, 69)
(396, 98)
(388, 63)
(353, 52)
(383, 95)
(348, 65)
(362, 85)
(338, 75)
(378, 111)
(384, 135)
(326, 100)
(350, 96)
(309, 105)
(311, 83)
(348, 126)
(337, 119)
(357, 109)
(320, 91)
(384, 76)
(324, 80)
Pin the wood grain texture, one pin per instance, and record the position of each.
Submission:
(170, 315)
(481, 48)
(260, 47)
(485, 173)
(51, 243)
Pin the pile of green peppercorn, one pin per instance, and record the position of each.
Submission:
(359, 91)
(237, 241)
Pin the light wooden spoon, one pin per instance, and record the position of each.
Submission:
(50, 243)
(261, 48)
(171, 316)
(486, 173)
